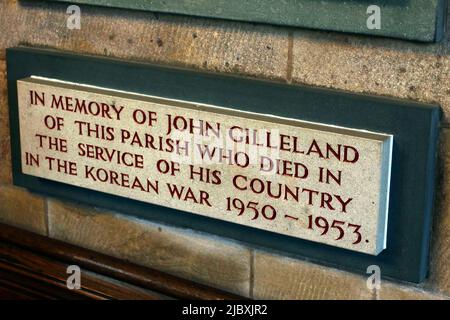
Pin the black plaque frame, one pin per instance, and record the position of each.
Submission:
(415, 127)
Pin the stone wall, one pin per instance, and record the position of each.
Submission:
(359, 64)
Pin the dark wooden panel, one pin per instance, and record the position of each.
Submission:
(34, 267)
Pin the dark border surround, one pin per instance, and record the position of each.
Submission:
(415, 127)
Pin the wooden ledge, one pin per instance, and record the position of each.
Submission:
(34, 266)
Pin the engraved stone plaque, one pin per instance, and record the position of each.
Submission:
(307, 172)
(307, 180)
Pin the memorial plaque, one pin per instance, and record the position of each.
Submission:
(339, 179)
(287, 176)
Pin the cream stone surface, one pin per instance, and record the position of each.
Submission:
(280, 277)
(439, 278)
(185, 253)
(394, 291)
(5, 149)
(358, 64)
(374, 65)
(22, 209)
(208, 44)
(265, 172)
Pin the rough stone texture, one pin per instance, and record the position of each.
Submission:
(391, 291)
(348, 62)
(198, 257)
(230, 47)
(373, 65)
(22, 209)
(277, 277)
(412, 19)
(440, 255)
(5, 149)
